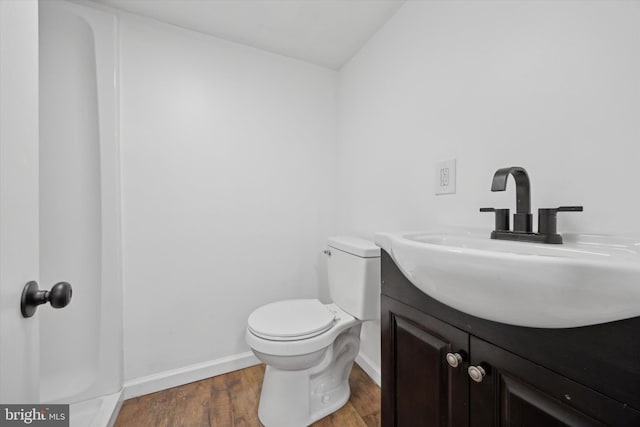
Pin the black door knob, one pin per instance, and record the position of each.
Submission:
(59, 296)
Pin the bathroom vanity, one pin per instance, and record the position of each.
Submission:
(444, 367)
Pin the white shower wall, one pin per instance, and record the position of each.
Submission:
(80, 346)
(228, 168)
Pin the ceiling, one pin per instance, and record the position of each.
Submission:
(324, 32)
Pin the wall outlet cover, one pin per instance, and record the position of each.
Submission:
(446, 177)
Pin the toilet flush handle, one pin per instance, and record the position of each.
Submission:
(327, 252)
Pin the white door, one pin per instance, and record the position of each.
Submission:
(19, 341)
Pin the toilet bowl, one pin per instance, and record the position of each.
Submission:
(309, 347)
(308, 376)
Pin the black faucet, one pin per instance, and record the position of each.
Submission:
(522, 219)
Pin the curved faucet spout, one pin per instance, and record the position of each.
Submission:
(523, 187)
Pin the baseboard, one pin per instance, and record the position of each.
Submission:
(173, 378)
(188, 374)
(369, 368)
(116, 409)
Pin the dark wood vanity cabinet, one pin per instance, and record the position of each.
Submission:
(534, 377)
(517, 392)
(427, 392)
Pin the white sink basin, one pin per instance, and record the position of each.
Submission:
(587, 280)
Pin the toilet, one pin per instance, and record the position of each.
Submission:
(309, 347)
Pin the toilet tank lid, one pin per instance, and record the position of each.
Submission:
(355, 246)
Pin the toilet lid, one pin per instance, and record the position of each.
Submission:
(291, 320)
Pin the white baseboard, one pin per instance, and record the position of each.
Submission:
(115, 403)
(173, 378)
(164, 380)
(370, 368)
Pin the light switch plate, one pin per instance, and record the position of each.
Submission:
(446, 177)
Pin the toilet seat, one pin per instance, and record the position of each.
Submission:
(291, 320)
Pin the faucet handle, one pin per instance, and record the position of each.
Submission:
(502, 218)
(553, 211)
(569, 209)
(547, 218)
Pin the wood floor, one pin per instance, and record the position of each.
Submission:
(232, 400)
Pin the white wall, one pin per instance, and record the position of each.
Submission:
(228, 158)
(550, 86)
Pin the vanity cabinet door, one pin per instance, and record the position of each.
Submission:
(517, 392)
(421, 388)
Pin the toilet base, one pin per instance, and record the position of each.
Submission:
(299, 398)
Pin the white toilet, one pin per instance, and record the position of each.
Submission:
(309, 347)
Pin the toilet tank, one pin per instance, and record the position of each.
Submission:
(354, 276)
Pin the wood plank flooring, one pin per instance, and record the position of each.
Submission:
(231, 400)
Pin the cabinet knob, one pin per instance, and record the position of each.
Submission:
(477, 373)
(454, 359)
